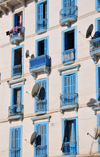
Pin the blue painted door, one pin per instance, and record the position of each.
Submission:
(41, 141)
(98, 124)
(42, 106)
(70, 137)
(18, 99)
(45, 46)
(67, 5)
(69, 89)
(15, 144)
(40, 16)
(15, 20)
(98, 83)
(15, 57)
(21, 22)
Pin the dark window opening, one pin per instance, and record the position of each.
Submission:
(18, 57)
(41, 48)
(69, 40)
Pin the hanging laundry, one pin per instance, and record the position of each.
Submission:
(7, 33)
(11, 31)
(16, 29)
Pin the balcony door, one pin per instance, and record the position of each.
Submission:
(69, 89)
(70, 137)
(17, 99)
(67, 4)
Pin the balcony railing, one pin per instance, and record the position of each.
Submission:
(15, 110)
(41, 151)
(95, 45)
(16, 34)
(69, 148)
(17, 70)
(41, 105)
(39, 61)
(68, 14)
(68, 99)
(41, 25)
(15, 152)
(68, 55)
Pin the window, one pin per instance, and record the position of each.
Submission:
(15, 142)
(69, 46)
(41, 102)
(97, 82)
(98, 124)
(16, 100)
(42, 46)
(17, 62)
(97, 5)
(69, 136)
(69, 89)
(41, 148)
(41, 16)
(18, 19)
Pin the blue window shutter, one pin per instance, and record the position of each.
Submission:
(45, 46)
(21, 19)
(39, 12)
(15, 57)
(18, 141)
(65, 41)
(19, 90)
(12, 143)
(15, 20)
(98, 83)
(98, 123)
(45, 10)
(39, 48)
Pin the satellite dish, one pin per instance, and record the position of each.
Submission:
(27, 54)
(35, 89)
(32, 56)
(33, 137)
(89, 31)
(97, 133)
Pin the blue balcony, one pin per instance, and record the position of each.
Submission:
(17, 71)
(70, 148)
(40, 64)
(95, 49)
(68, 56)
(68, 15)
(68, 101)
(15, 151)
(17, 35)
(41, 151)
(41, 107)
(15, 112)
(41, 26)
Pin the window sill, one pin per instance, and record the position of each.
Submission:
(69, 155)
(41, 31)
(68, 62)
(69, 107)
(40, 113)
(16, 117)
(16, 76)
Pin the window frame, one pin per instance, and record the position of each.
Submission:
(98, 116)
(12, 93)
(96, 5)
(12, 59)
(36, 9)
(75, 44)
(47, 95)
(16, 127)
(63, 0)
(71, 118)
(36, 45)
(69, 73)
(97, 66)
(35, 125)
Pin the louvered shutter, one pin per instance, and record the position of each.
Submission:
(13, 144)
(19, 99)
(18, 141)
(15, 20)
(45, 46)
(15, 57)
(65, 41)
(21, 22)
(98, 83)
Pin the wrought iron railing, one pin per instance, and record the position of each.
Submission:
(41, 24)
(68, 12)
(68, 99)
(17, 31)
(14, 152)
(39, 61)
(41, 151)
(17, 70)
(69, 148)
(15, 110)
(68, 55)
(94, 44)
(41, 105)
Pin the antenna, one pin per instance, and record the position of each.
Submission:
(89, 31)
(35, 90)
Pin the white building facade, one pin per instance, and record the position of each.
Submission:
(44, 42)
